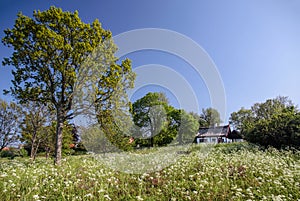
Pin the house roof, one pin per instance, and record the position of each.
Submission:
(219, 131)
(235, 135)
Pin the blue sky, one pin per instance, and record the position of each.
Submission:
(254, 44)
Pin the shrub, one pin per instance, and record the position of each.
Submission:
(23, 152)
(7, 154)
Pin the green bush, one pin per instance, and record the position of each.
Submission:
(23, 152)
(237, 146)
(7, 154)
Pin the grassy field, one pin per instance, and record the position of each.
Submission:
(228, 172)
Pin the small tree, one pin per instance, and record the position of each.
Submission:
(10, 117)
(188, 128)
(96, 141)
(37, 117)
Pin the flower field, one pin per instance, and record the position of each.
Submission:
(228, 172)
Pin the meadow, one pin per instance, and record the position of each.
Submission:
(238, 171)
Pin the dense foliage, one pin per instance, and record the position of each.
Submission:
(151, 115)
(275, 122)
(158, 123)
(209, 117)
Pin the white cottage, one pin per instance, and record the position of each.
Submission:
(218, 134)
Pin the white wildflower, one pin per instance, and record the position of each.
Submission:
(139, 198)
(107, 197)
(88, 195)
(101, 191)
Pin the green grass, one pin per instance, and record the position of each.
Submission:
(228, 172)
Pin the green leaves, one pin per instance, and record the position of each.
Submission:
(160, 123)
(48, 52)
(210, 117)
(151, 115)
(274, 122)
(59, 59)
(242, 119)
(189, 126)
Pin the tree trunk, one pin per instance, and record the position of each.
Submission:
(36, 149)
(151, 141)
(32, 146)
(47, 152)
(58, 141)
(180, 138)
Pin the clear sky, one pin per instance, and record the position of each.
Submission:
(255, 44)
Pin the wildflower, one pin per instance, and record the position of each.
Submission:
(101, 191)
(139, 198)
(107, 197)
(88, 195)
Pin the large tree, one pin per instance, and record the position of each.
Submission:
(10, 117)
(280, 130)
(55, 54)
(149, 114)
(158, 123)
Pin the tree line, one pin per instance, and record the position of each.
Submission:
(275, 122)
(155, 123)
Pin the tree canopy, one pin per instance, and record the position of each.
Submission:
(274, 122)
(209, 117)
(10, 118)
(159, 123)
(187, 127)
(54, 55)
(150, 115)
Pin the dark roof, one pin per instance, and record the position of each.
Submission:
(235, 135)
(218, 131)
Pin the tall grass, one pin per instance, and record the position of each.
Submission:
(228, 172)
